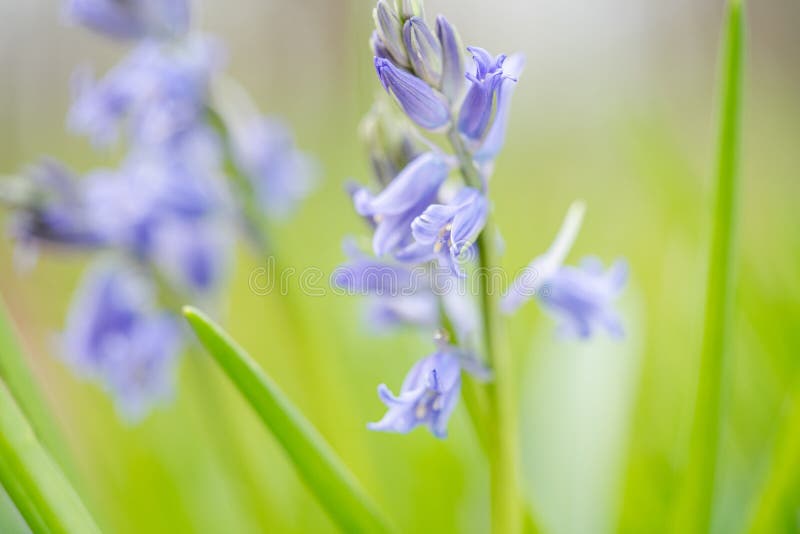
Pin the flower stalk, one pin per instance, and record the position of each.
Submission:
(503, 438)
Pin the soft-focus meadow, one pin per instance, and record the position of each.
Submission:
(617, 107)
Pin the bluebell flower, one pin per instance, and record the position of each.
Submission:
(167, 212)
(117, 336)
(495, 138)
(424, 105)
(280, 173)
(132, 19)
(398, 295)
(448, 231)
(453, 82)
(424, 51)
(583, 297)
(55, 211)
(542, 268)
(428, 395)
(406, 197)
(159, 93)
(476, 110)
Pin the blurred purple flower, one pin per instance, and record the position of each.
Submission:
(116, 335)
(280, 173)
(54, 212)
(398, 295)
(131, 19)
(166, 212)
(159, 93)
(543, 267)
(583, 297)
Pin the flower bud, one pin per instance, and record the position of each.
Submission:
(410, 8)
(390, 31)
(423, 50)
(453, 74)
(423, 105)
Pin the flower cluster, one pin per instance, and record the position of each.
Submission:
(166, 218)
(422, 217)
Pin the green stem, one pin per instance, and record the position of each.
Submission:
(472, 392)
(695, 512)
(33, 479)
(501, 430)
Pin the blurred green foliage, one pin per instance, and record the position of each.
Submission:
(605, 426)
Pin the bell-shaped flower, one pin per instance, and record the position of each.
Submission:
(116, 335)
(495, 137)
(52, 209)
(132, 19)
(583, 297)
(424, 105)
(280, 173)
(542, 268)
(476, 110)
(159, 94)
(448, 231)
(428, 396)
(406, 197)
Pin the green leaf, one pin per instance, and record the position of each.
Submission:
(38, 487)
(317, 464)
(15, 373)
(695, 508)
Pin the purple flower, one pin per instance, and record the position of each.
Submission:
(428, 395)
(132, 19)
(397, 294)
(476, 110)
(160, 94)
(423, 104)
(583, 297)
(542, 268)
(449, 230)
(496, 136)
(116, 335)
(167, 212)
(406, 197)
(55, 211)
(281, 174)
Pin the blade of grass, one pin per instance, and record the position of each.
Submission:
(323, 472)
(17, 375)
(33, 479)
(695, 509)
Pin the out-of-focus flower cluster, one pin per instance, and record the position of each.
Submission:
(426, 219)
(166, 219)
